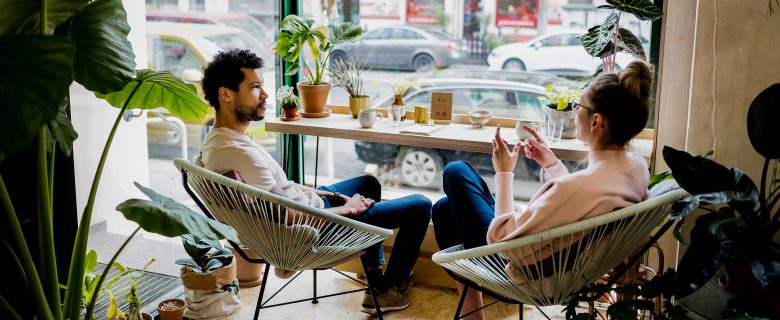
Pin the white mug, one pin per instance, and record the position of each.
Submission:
(522, 134)
(368, 118)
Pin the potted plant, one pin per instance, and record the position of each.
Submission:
(606, 40)
(132, 297)
(209, 275)
(289, 102)
(739, 229)
(347, 74)
(298, 33)
(171, 309)
(46, 64)
(560, 102)
(400, 87)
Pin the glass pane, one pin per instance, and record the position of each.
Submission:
(181, 37)
(498, 56)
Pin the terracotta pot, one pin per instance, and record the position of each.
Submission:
(356, 104)
(249, 274)
(171, 309)
(290, 113)
(313, 97)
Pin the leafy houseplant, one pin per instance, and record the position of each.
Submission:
(289, 101)
(209, 275)
(297, 33)
(561, 101)
(742, 220)
(133, 298)
(606, 40)
(347, 74)
(47, 46)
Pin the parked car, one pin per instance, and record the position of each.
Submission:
(250, 25)
(559, 53)
(185, 49)
(506, 94)
(402, 47)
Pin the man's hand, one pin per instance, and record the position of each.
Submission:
(503, 159)
(356, 206)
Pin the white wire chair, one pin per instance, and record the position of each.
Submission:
(550, 266)
(283, 233)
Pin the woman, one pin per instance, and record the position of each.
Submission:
(614, 109)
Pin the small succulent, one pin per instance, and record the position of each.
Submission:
(287, 98)
(206, 255)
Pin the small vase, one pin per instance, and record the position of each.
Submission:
(356, 104)
(569, 119)
(171, 309)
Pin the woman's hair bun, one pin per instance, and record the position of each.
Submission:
(636, 79)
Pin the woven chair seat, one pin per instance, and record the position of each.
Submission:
(552, 265)
(286, 234)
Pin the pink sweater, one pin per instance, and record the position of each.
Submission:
(612, 180)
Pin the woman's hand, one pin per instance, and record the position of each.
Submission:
(356, 205)
(503, 159)
(537, 150)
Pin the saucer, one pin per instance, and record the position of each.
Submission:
(315, 115)
(283, 118)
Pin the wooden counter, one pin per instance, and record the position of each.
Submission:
(455, 136)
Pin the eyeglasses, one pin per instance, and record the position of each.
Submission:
(577, 106)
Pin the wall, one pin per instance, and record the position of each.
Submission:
(716, 56)
(128, 159)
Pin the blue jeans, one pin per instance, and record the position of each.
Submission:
(464, 215)
(410, 215)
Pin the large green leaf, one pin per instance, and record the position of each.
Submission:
(599, 40)
(164, 216)
(37, 72)
(159, 89)
(698, 175)
(630, 43)
(642, 9)
(23, 17)
(763, 113)
(105, 61)
(60, 131)
(347, 31)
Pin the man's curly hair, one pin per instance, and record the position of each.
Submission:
(225, 71)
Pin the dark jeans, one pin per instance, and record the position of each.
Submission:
(410, 215)
(464, 215)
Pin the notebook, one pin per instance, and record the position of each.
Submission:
(422, 129)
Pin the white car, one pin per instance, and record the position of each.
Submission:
(559, 53)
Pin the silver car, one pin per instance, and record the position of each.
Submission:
(402, 47)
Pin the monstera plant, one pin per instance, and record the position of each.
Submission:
(742, 220)
(604, 41)
(46, 46)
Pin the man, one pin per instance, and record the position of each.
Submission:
(234, 87)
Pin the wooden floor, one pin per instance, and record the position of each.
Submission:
(428, 302)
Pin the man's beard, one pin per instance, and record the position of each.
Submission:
(246, 113)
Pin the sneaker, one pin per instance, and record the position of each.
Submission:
(405, 285)
(391, 300)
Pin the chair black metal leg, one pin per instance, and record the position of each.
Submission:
(462, 299)
(314, 300)
(370, 288)
(520, 306)
(262, 290)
